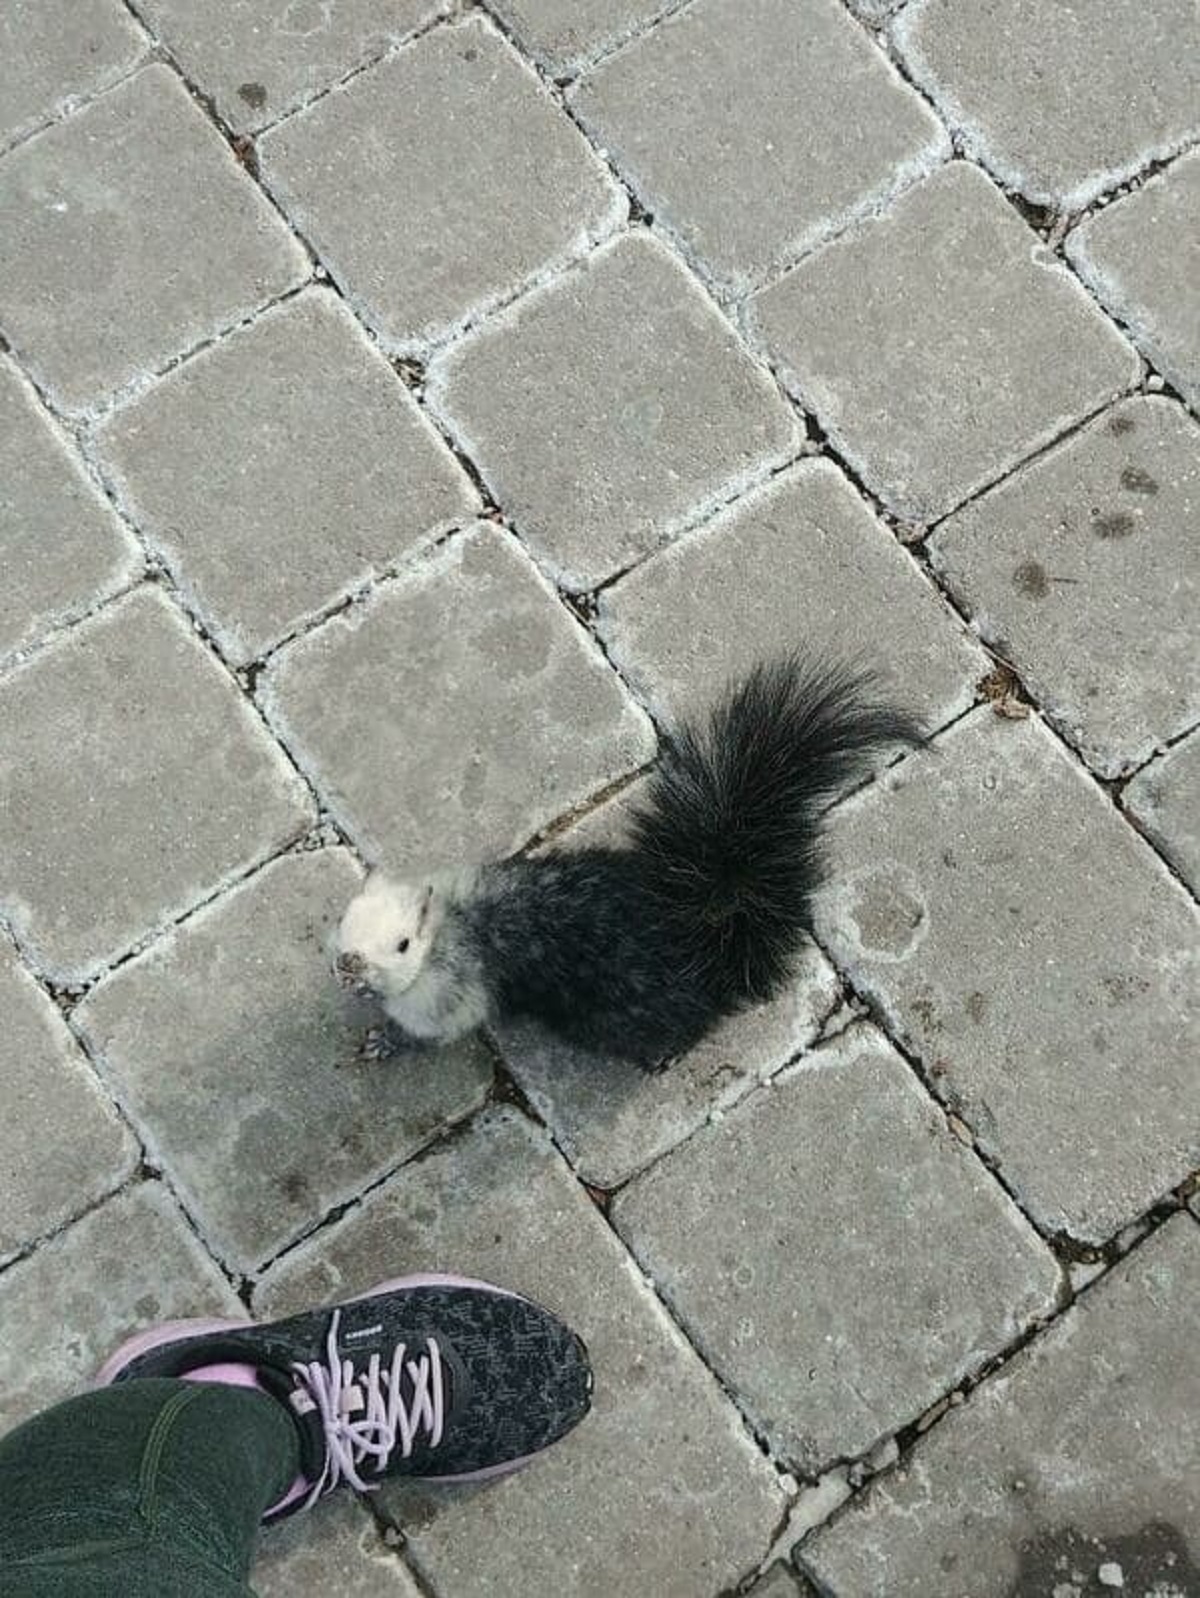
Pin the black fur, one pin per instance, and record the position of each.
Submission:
(639, 952)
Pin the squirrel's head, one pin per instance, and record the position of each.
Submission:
(384, 938)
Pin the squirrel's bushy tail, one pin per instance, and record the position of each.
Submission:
(729, 835)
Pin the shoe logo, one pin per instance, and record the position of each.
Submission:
(364, 1331)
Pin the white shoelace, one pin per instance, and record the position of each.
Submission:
(364, 1414)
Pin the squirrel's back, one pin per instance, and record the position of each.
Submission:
(640, 951)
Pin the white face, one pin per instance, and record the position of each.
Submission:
(385, 935)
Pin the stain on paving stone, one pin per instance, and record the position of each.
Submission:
(1138, 480)
(254, 94)
(887, 912)
(1030, 578)
(1112, 524)
(1121, 423)
(1064, 1563)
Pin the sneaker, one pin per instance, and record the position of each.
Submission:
(437, 1377)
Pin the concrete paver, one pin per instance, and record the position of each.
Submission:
(779, 1235)
(1058, 107)
(937, 346)
(313, 1126)
(439, 183)
(1141, 257)
(127, 1265)
(52, 52)
(1165, 798)
(259, 62)
(528, 721)
(1083, 569)
(693, 1502)
(797, 564)
(608, 408)
(62, 545)
(280, 468)
(1080, 1454)
(563, 35)
(62, 1145)
(341, 1553)
(1039, 959)
(171, 786)
(141, 176)
(793, 110)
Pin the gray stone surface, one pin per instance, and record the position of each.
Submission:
(135, 780)
(800, 562)
(439, 183)
(938, 346)
(1062, 102)
(779, 1582)
(814, 126)
(1165, 798)
(1142, 258)
(336, 1553)
(1038, 958)
(777, 1234)
(660, 1480)
(612, 1118)
(564, 34)
(61, 1143)
(61, 545)
(178, 243)
(128, 1265)
(54, 51)
(1080, 1453)
(281, 468)
(1083, 570)
(238, 1007)
(260, 61)
(506, 715)
(609, 408)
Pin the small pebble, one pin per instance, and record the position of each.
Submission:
(1111, 1575)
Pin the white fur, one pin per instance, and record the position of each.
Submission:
(410, 952)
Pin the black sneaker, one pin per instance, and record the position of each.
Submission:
(437, 1377)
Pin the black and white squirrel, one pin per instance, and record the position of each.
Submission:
(637, 952)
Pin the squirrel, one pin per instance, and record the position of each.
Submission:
(637, 952)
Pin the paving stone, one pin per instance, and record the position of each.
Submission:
(337, 1549)
(439, 183)
(62, 1146)
(128, 1265)
(660, 1479)
(1142, 258)
(52, 51)
(63, 548)
(793, 111)
(565, 34)
(939, 345)
(611, 1118)
(778, 1234)
(779, 1582)
(1061, 102)
(1084, 570)
(135, 781)
(139, 177)
(313, 1127)
(1165, 798)
(800, 562)
(1029, 947)
(281, 468)
(259, 62)
(610, 408)
(1079, 1453)
(516, 717)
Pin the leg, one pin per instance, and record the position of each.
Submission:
(152, 1487)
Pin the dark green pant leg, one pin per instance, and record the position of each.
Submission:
(149, 1489)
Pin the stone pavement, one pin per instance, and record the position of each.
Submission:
(408, 408)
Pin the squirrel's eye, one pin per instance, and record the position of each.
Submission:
(402, 946)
